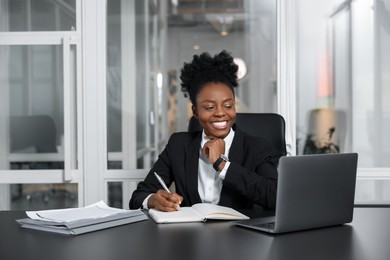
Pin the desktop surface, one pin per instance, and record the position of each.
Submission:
(367, 237)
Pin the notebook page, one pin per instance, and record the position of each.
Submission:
(185, 214)
(212, 211)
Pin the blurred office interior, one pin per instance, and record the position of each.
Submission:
(90, 90)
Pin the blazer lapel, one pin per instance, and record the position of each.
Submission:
(192, 170)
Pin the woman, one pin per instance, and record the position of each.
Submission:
(221, 164)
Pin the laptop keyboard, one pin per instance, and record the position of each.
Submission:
(260, 223)
(270, 225)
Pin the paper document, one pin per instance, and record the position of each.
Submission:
(94, 211)
(76, 221)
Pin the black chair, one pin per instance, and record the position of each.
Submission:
(269, 126)
(37, 132)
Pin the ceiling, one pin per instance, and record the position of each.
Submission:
(223, 15)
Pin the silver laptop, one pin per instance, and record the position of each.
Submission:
(313, 191)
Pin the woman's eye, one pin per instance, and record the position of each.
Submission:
(228, 106)
(209, 108)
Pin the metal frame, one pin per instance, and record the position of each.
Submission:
(286, 31)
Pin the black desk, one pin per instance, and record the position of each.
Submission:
(367, 238)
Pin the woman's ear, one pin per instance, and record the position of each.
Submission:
(194, 112)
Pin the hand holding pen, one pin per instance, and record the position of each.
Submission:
(163, 199)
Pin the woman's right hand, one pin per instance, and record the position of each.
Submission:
(165, 201)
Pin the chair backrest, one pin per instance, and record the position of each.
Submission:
(269, 126)
(38, 132)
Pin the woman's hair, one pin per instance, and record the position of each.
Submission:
(204, 69)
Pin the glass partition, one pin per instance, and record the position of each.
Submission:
(346, 110)
(41, 15)
(39, 70)
(370, 70)
(35, 106)
(343, 68)
(147, 44)
(43, 196)
(33, 119)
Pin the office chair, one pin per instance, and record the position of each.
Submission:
(35, 134)
(270, 126)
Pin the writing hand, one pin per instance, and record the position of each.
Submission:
(165, 201)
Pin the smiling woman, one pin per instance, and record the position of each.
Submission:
(219, 164)
(211, 91)
(217, 114)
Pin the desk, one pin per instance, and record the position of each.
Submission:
(368, 237)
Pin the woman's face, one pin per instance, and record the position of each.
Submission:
(215, 109)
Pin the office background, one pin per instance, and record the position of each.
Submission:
(90, 90)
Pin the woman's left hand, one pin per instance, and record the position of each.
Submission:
(214, 148)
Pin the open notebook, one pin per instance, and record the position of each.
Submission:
(197, 213)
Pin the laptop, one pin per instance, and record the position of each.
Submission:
(314, 191)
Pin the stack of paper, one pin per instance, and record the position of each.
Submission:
(75, 221)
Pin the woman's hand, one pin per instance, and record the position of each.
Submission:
(214, 148)
(165, 201)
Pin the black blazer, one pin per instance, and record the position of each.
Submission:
(250, 180)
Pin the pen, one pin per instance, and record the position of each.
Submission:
(160, 180)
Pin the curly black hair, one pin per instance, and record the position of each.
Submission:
(204, 69)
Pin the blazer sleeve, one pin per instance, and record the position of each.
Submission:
(170, 165)
(255, 176)
(150, 184)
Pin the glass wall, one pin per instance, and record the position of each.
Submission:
(147, 44)
(371, 81)
(343, 84)
(37, 76)
(35, 120)
(43, 196)
(342, 70)
(42, 15)
(342, 100)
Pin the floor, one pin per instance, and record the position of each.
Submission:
(43, 198)
(55, 196)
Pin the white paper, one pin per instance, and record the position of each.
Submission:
(94, 211)
(185, 214)
(211, 211)
(198, 212)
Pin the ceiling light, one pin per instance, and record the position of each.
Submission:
(242, 69)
